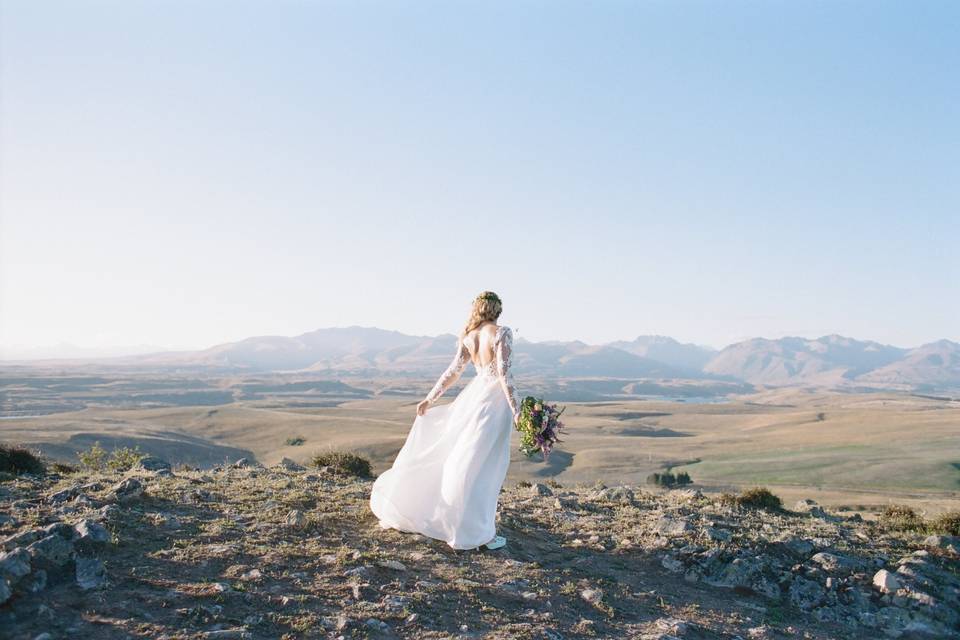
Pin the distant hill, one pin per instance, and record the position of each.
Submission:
(935, 364)
(832, 361)
(838, 361)
(688, 357)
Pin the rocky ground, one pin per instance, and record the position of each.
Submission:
(249, 552)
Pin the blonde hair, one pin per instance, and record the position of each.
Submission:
(486, 308)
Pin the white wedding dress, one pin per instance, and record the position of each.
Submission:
(446, 480)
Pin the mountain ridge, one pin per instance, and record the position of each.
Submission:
(831, 360)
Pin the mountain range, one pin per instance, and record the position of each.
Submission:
(828, 361)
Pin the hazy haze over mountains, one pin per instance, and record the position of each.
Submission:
(828, 361)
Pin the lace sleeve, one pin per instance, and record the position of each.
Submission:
(452, 373)
(503, 349)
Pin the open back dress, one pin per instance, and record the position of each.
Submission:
(446, 480)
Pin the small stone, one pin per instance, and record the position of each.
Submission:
(296, 519)
(593, 596)
(290, 465)
(799, 547)
(673, 626)
(252, 576)
(671, 564)
(671, 527)
(91, 574)
(539, 489)
(719, 535)
(396, 565)
(885, 581)
(127, 490)
(153, 463)
(63, 496)
(376, 625)
(44, 636)
(949, 543)
(5, 591)
(91, 532)
(241, 463)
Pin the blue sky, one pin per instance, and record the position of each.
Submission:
(186, 173)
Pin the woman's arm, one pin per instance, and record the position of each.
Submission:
(503, 350)
(447, 378)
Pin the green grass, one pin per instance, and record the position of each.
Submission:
(924, 467)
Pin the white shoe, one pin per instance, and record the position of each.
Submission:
(496, 543)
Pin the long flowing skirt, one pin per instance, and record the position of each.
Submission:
(446, 480)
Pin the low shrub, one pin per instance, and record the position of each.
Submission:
(296, 442)
(898, 517)
(343, 462)
(123, 459)
(945, 524)
(17, 460)
(754, 498)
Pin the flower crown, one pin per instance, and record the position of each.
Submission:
(489, 295)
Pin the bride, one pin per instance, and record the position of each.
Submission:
(446, 480)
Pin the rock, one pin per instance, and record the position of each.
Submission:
(33, 583)
(539, 489)
(377, 626)
(799, 547)
(44, 636)
(51, 552)
(720, 535)
(61, 529)
(893, 620)
(593, 596)
(91, 532)
(63, 496)
(108, 513)
(5, 591)
(685, 495)
(949, 543)
(885, 581)
(127, 490)
(620, 494)
(673, 626)
(290, 465)
(14, 564)
(834, 562)
(153, 463)
(91, 574)
(296, 519)
(20, 539)
(804, 505)
(254, 575)
(8, 521)
(241, 463)
(396, 565)
(671, 527)
(671, 564)
(805, 594)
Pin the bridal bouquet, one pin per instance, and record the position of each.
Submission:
(538, 425)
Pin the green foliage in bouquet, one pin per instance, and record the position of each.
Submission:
(538, 424)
